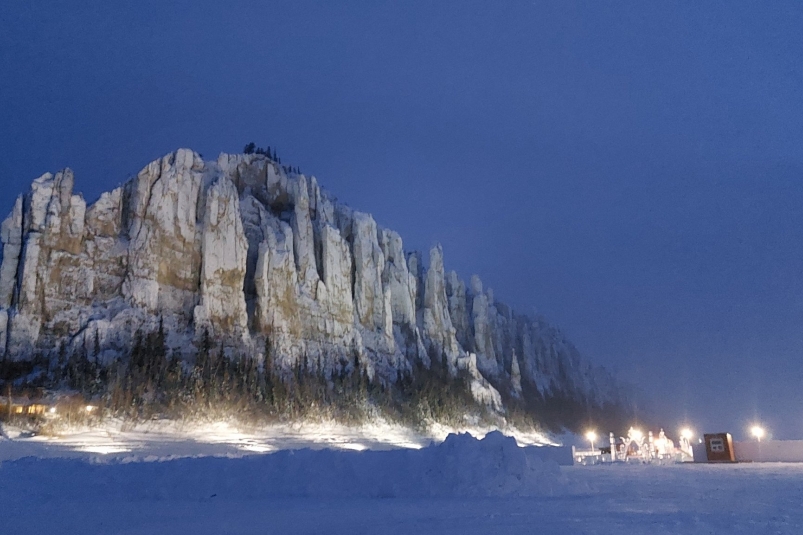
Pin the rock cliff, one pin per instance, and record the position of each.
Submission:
(246, 251)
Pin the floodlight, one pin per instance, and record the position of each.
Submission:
(687, 433)
(757, 432)
(591, 436)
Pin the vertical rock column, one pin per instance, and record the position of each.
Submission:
(276, 283)
(458, 311)
(49, 276)
(372, 307)
(335, 294)
(224, 253)
(437, 322)
(483, 335)
(164, 255)
(304, 239)
(515, 376)
(398, 279)
(11, 236)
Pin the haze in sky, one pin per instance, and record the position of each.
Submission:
(631, 170)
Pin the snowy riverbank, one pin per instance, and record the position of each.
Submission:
(461, 487)
(161, 439)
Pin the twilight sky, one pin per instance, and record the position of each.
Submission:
(631, 170)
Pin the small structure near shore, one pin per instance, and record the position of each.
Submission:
(23, 406)
(43, 404)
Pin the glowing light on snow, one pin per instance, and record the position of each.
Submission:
(103, 450)
(256, 448)
(687, 433)
(757, 431)
(90, 408)
(159, 439)
(637, 434)
(52, 410)
(351, 446)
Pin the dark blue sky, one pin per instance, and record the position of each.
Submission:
(633, 171)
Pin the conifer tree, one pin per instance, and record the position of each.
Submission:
(96, 345)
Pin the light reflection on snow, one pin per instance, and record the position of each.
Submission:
(408, 445)
(354, 447)
(103, 450)
(164, 439)
(256, 448)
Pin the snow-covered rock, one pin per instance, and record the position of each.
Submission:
(481, 389)
(164, 251)
(224, 249)
(259, 257)
(369, 262)
(515, 376)
(483, 336)
(437, 322)
(303, 245)
(277, 282)
(11, 235)
(398, 279)
(458, 310)
(335, 289)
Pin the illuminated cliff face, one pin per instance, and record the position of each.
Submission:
(243, 249)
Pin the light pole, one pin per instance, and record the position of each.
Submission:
(591, 436)
(612, 441)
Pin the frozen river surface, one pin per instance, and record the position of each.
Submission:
(462, 486)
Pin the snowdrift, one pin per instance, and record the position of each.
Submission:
(461, 466)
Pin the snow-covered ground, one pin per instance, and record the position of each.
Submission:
(114, 439)
(462, 485)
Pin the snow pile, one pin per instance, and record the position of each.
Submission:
(460, 466)
(493, 466)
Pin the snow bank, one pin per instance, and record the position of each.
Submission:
(119, 439)
(68, 497)
(461, 466)
(772, 451)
